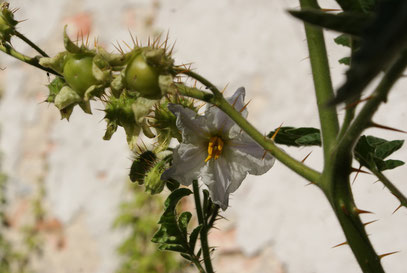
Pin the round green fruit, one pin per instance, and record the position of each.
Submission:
(78, 73)
(142, 77)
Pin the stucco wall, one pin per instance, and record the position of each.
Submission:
(276, 223)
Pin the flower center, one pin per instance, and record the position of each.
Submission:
(215, 147)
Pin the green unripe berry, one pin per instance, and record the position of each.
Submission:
(141, 77)
(78, 73)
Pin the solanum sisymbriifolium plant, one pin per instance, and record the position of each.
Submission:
(144, 91)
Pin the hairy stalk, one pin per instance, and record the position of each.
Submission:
(204, 230)
(30, 43)
(268, 145)
(6, 48)
(322, 81)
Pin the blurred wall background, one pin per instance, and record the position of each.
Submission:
(275, 223)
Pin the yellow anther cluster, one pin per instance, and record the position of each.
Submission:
(215, 147)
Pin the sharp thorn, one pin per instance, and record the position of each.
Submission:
(388, 254)
(244, 107)
(370, 222)
(305, 158)
(276, 132)
(397, 208)
(373, 124)
(355, 103)
(361, 211)
(341, 244)
(358, 170)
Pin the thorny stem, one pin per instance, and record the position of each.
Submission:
(390, 186)
(268, 145)
(204, 230)
(6, 48)
(363, 120)
(350, 106)
(201, 79)
(322, 82)
(28, 41)
(339, 192)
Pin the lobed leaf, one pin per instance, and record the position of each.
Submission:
(351, 23)
(291, 136)
(382, 42)
(371, 151)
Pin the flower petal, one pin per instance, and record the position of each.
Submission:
(188, 159)
(247, 156)
(193, 126)
(217, 176)
(219, 121)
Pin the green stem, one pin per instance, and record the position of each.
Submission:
(204, 230)
(339, 192)
(6, 48)
(268, 145)
(198, 265)
(390, 186)
(322, 81)
(363, 120)
(28, 41)
(350, 106)
(201, 79)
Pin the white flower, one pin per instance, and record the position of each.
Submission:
(215, 149)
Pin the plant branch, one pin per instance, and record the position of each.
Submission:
(201, 79)
(6, 48)
(204, 230)
(363, 120)
(268, 145)
(339, 192)
(322, 81)
(30, 43)
(390, 186)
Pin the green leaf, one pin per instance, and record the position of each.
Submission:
(183, 222)
(304, 136)
(172, 234)
(54, 87)
(343, 40)
(309, 139)
(172, 247)
(371, 151)
(344, 60)
(383, 41)
(187, 257)
(351, 23)
(194, 236)
(389, 164)
(385, 149)
(173, 199)
(347, 5)
(368, 5)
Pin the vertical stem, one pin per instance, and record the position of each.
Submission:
(322, 81)
(204, 230)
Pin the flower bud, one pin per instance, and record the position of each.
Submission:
(7, 22)
(153, 181)
(141, 165)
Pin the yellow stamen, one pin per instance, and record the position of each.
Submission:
(215, 147)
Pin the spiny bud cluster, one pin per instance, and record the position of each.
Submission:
(135, 87)
(7, 22)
